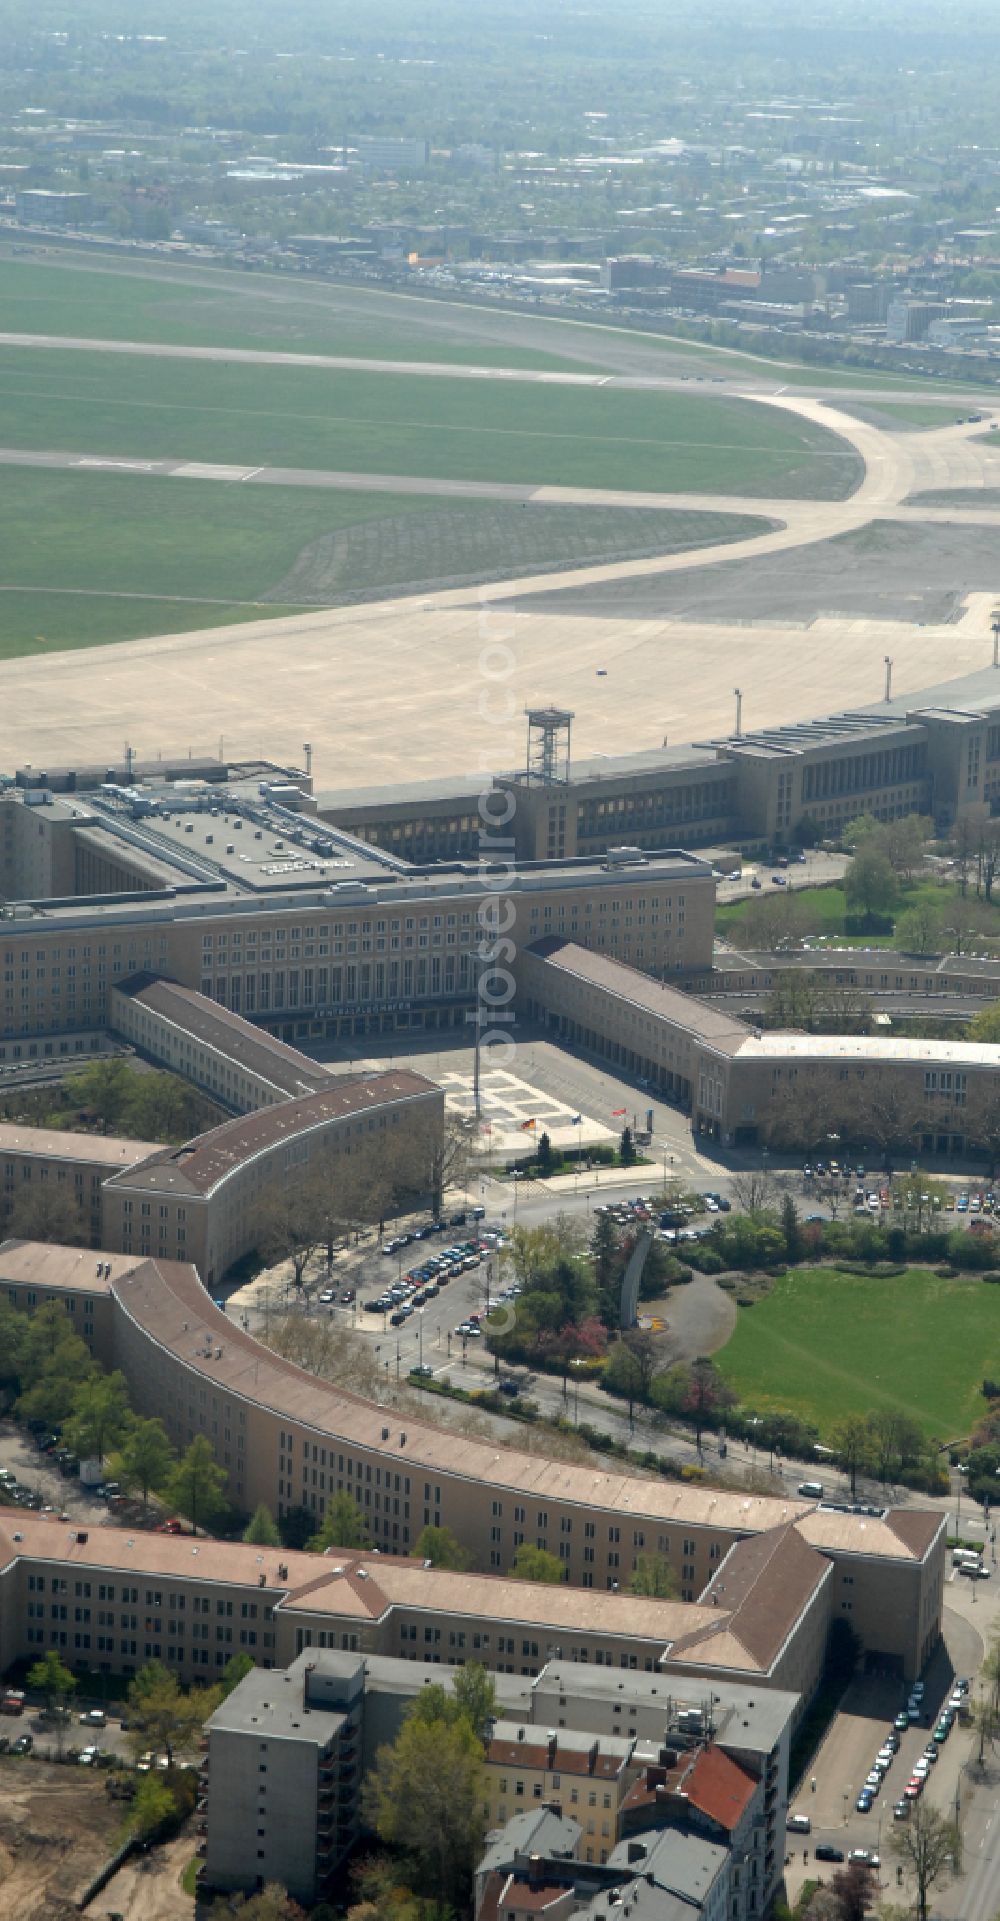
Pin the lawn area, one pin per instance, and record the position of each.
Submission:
(825, 1344)
(95, 557)
(987, 498)
(179, 308)
(824, 911)
(915, 414)
(190, 306)
(386, 423)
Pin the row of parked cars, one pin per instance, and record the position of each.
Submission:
(461, 1219)
(423, 1284)
(913, 1712)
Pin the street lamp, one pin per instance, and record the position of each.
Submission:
(576, 1364)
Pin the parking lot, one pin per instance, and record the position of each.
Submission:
(828, 1794)
(37, 1473)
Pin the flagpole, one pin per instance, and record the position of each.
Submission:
(477, 1053)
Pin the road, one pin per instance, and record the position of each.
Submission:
(971, 1618)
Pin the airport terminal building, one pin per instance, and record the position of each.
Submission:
(935, 753)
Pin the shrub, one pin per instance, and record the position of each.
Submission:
(707, 1260)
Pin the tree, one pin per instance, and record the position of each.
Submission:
(343, 1525)
(626, 1148)
(261, 1530)
(53, 1363)
(543, 1154)
(100, 1415)
(605, 1254)
(475, 1696)
(48, 1213)
(929, 1848)
(153, 1806)
(754, 1192)
(869, 883)
(425, 1798)
(197, 1486)
(918, 931)
(297, 1527)
(791, 1229)
(52, 1679)
(896, 1440)
(624, 1375)
(708, 1396)
(903, 841)
(162, 1716)
(855, 1888)
(236, 1669)
(986, 1721)
(442, 1548)
(273, 1903)
(162, 1107)
(288, 1223)
(985, 1026)
(434, 1159)
(102, 1089)
(852, 1440)
(144, 1459)
(965, 923)
(654, 1576)
(537, 1564)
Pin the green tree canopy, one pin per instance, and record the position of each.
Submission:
(164, 1716)
(654, 1576)
(51, 1678)
(442, 1548)
(102, 1088)
(100, 1415)
(537, 1564)
(343, 1525)
(145, 1458)
(262, 1530)
(425, 1798)
(985, 1026)
(870, 884)
(196, 1485)
(235, 1670)
(153, 1807)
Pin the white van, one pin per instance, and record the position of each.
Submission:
(962, 1556)
(812, 1490)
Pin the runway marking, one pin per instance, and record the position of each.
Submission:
(124, 466)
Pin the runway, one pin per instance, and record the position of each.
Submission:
(400, 689)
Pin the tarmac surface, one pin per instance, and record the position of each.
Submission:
(456, 668)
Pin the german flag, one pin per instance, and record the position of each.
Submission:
(526, 1126)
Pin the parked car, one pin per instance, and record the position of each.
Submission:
(825, 1851)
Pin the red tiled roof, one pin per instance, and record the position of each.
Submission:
(530, 1897)
(719, 1787)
